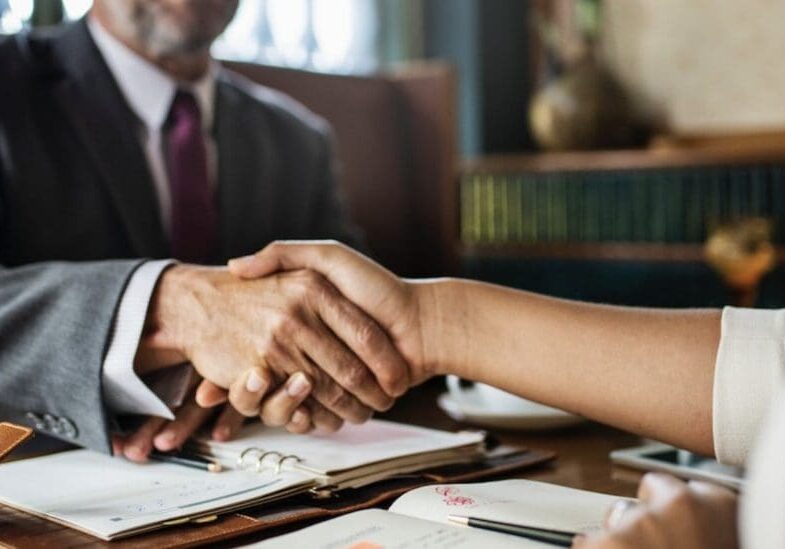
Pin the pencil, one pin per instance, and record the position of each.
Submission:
(187, 460)
(558, 538)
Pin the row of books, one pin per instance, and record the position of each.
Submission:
(673, 205)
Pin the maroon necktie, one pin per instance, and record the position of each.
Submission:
(194, 215)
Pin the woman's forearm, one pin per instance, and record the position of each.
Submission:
(649, 371)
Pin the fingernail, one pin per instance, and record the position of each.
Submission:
(240, 261)
(299, 417)
(254, 383)
(298, 386)
(135, 453)
(222, 433)
(165, 440)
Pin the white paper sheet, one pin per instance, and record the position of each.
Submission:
(105, 496)
(527, 502)
(376, 529)
(352, 446)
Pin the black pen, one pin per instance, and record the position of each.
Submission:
(188, 460)
(554, 537)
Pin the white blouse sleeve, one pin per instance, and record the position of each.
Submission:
(763, 505)
(749, 372)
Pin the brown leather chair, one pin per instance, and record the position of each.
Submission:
(397, 147)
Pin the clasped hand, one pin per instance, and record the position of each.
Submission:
(265, 344)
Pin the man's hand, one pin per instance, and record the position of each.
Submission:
(162, 435)
(158, 434)
(671, 515)
(246, 336)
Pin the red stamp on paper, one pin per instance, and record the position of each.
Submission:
(452, 496)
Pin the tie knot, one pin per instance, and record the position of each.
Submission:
(184, 109)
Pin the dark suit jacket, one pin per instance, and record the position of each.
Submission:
(78, 213)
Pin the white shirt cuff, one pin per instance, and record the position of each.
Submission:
(749, 371)
(123, 391)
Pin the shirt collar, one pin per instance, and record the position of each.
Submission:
(149, 90)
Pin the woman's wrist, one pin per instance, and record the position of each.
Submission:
(441, 305)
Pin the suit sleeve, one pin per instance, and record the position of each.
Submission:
(55, 324)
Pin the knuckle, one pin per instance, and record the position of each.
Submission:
(287, 321)
(355, 378)
(369, 336)
(337, 399)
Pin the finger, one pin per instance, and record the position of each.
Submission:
(228, 424)
(279, 408)
(616, 513)
(301, 421)
(247, 390)
(189, 417)
(139, 444)
(208, 394)
(322, 418)
(657, 488)
(712, 491)
(370, 343)
(325, 389)
(342, 365)
(118, 443)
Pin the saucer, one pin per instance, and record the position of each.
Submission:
(533, 417)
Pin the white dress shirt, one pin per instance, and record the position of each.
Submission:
(149, 93)
(749, 380)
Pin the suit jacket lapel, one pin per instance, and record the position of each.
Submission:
(104, 122)
(246, 168)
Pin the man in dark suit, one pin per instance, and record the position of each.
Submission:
(122, 145)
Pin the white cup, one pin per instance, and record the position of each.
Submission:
(493, 400)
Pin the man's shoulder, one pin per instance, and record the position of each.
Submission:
(32, 52)
(284, 111)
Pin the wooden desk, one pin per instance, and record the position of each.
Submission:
(582, 450)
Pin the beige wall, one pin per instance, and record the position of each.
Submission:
(705, 66)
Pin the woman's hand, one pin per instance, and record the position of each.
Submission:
(391, 301)
(671, 514)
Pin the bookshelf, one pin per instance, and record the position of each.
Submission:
(643, 205)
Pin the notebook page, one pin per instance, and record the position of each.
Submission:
(517, 501)
(377, 529)
(106, 496)
(351, 447)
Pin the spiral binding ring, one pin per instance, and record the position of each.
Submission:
(246, 452)
(260, 461)
(260, 454)
(281, 461)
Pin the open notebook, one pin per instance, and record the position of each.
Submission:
(419, 518)
(111, 498)
(354, 456)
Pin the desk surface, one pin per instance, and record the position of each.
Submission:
(582, 450)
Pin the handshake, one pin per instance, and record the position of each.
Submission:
(303, 334)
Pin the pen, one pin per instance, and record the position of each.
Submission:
(187, 460)
(554, 537)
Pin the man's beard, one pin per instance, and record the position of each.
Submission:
(160, 35)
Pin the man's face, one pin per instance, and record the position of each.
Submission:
(171, 27)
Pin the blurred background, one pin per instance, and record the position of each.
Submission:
(626, 151)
